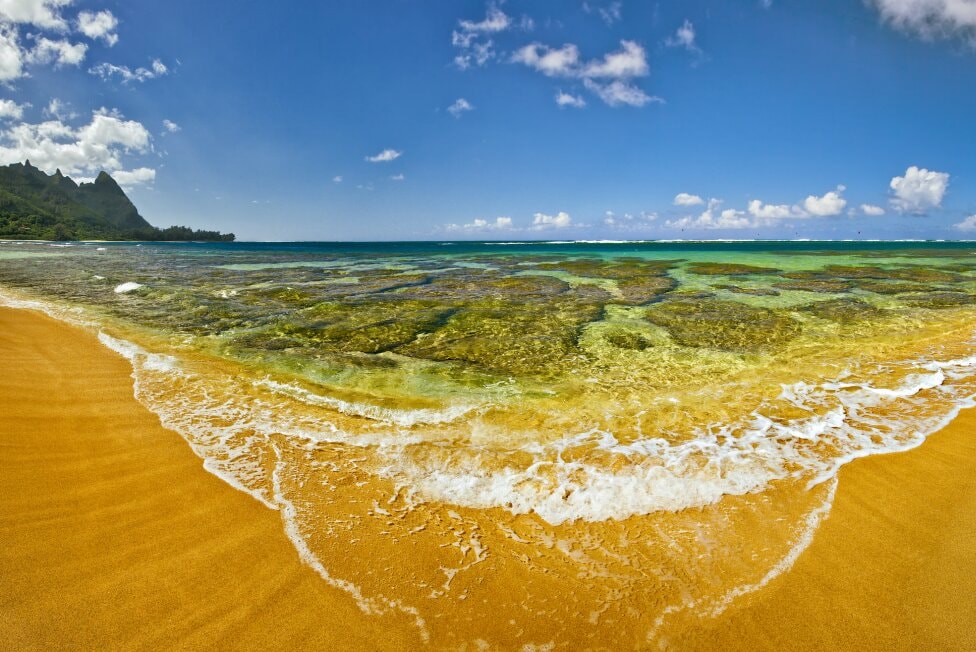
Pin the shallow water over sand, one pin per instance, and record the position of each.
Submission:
(533, 444)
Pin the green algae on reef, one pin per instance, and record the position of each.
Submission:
(724, 325)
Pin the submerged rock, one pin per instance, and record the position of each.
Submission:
(728, 269)
(724, 325)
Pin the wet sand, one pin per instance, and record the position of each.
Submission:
(112, 536)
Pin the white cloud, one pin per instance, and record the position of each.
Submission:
(931, 18)
(478, 53)
(772, 212)
(61, 52)
(872, 210)
(757, 213)
(170, 126)
(136, 177)
(45, 14)
(968, 224)
(107, 70)
(919, 190)
(712, 218)
(629, 221)
(474, 47)
(385, 156)
(618, 93)
(567, 99)
(629, 61)
(11, 110)
(606, 77)
(561, 220)
(98, 145)
(684, 38)
(11, 56)
(100, 25)
(337, 178)
(684, 199)
(561, 62)
(460, 106)
(829, 204)
(398, 177)
(59, 109)
(479, 224)
(495, 21)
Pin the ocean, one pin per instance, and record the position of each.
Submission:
(556, 430)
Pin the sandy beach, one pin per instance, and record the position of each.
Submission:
(112, 536)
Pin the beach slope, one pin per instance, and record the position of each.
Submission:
(112, 536)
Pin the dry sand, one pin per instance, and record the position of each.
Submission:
(112, 536)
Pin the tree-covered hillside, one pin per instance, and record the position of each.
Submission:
(34, 205)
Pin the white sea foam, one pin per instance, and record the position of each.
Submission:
(403, 418)
(846, 420)
(128, 286)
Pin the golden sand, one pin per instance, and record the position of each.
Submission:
(113, 536)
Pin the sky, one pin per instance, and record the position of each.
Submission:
(514, 120)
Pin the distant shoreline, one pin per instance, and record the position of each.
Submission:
(5, 239)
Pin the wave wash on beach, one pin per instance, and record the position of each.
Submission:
(587, 443)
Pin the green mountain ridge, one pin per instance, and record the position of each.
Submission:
(38, 206)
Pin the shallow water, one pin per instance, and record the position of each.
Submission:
(661, 423)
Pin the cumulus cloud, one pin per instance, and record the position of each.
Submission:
(829, 204)
(872, 210)
(37, 48)
(398, 177)
(552, 62)
(99, 25)
(45, 14)
(108, 70)
(337, 178)
(918, 190)
(385, 156)
(684, 199)
(11, 56)
(629, 61)
(931, 18)
(607, 77)
(11, 110)
(684, 38)
(968, 224)
(713, 218)
(479, 224)
(568, 99)
(771, 212)
(136, 177)
(758, 213)
(460, 106)
(171, 127)
(60, 52)
(561, 220)
(98, 145)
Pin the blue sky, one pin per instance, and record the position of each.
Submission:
(513, 120)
